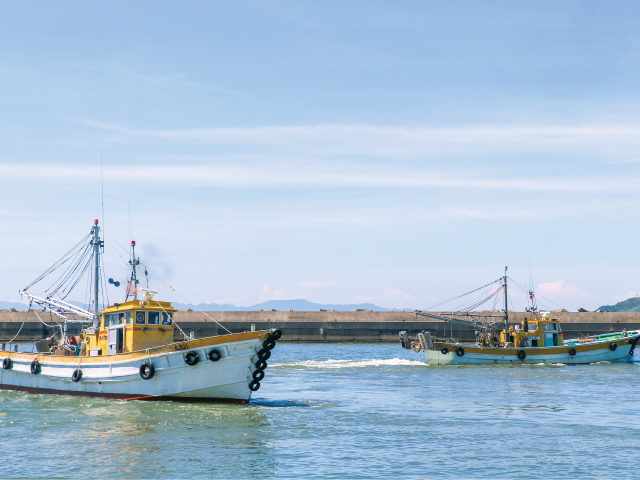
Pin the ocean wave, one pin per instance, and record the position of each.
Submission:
(334, 364)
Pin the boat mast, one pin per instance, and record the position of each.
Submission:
(506, 303)
(96, 290)
(134, 262)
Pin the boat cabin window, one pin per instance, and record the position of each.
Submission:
(167, 318)
(141, 317)
(124, 318)
(153, 318)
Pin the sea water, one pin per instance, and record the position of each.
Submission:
(345, 411)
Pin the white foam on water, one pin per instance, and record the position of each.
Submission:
(334, 364)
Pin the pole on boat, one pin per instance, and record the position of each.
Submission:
(133, 292)
(506, 305)
(96, 289)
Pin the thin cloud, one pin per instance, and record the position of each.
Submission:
(276, 175)
(316, 284)
(409, 141)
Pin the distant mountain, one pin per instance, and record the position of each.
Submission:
(284, 305)
(280, 305)
(18, 306)
(628, 305)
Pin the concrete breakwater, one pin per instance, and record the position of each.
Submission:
(324, 326)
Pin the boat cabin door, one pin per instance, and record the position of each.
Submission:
(115, 339)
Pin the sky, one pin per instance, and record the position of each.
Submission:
(396, 153)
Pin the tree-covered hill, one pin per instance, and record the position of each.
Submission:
(629, 305)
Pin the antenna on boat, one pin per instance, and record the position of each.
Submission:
(132, 287)
(506, 302)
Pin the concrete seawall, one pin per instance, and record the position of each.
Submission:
(327, 326)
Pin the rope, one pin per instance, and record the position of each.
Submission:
(188, 301)
(20, 329)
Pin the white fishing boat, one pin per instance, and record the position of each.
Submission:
(535, 341)
(127, 351)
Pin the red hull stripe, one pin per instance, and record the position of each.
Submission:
(122, 396)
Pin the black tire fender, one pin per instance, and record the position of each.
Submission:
(572, 352)
(260, 365)
(613, 346)
(460, 351)
(147, 371)
(35, 367)
(258, 375)
(264, 354)
(192, 358)
(522, 354)
(275, 334)
(444, 350)
(268, 344)
(215, 355)
(254, 386)
(77, 375)
(7, 364)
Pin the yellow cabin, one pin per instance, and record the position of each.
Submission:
(131, 326)
(539, 332)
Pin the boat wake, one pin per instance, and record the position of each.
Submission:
(336, 364)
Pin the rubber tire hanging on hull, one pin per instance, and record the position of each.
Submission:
(572, 352)
(147, 371)
(275, 334)
(613, 347)
(460, 351)
(77, 375)
(269, 343)
(35, 367)
(264, 354)
(192, 358)
(522, 354)
(214, 355)
(260, 365)
(258, 375)
(7, 364)
(444, 350)
(254, 386)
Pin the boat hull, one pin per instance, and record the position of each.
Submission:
(118, 376)
(584, 354)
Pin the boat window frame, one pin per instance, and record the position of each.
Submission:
(144, 322)
(166, 315)
(153, 312)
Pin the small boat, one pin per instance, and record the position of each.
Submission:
(536, 341)
(127, 350)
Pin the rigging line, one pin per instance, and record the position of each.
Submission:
(55, 265)
(158, 277)
(63, 282)
(463, 294)
(25, 319)
(78, 258)
(49, 326)
(190, 302)
(174, 322)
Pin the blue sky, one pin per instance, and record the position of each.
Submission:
(388, 152)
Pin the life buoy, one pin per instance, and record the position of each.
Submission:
(192, 358)
(258, 375)
(444, 350)
(7, 364)
(254, 386)
(261, 365)
(572, 352)
(264, 354)
(522, 354)
(613, 346)
(214, 355)
(275, 334)
(35, 366)
(147, 371)
(460, 351)
(77, 375)
(269, 343)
